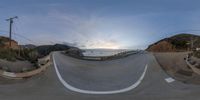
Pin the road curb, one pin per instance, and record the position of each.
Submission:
(12, 75)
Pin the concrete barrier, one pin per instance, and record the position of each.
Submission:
(11, 75)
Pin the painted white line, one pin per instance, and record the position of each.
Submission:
(9, 74)
(68, 86)
(169, 80)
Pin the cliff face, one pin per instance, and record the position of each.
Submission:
(180, 42)
(162, 46)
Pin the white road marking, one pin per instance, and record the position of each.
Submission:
(169, 80)
(68, 86)
(9, 74)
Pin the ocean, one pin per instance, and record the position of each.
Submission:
(102, 52)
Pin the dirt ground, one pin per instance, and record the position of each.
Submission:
(174, 65)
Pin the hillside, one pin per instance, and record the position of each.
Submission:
(27, 52)
(28, 46)
(179, 42)
(44, 50)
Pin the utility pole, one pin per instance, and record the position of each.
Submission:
(192, 43)
(10, 28)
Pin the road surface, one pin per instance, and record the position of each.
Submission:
(102, 78)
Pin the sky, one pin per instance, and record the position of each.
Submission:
(115, 24)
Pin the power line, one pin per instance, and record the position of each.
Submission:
(28, 39)
(18, 35)
(3, 31)
(24, 37)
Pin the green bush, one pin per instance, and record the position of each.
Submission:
(180, 44)
(8, 54)
(29, 54)
(23, 54)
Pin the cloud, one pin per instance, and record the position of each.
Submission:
(87, 31)
(92, 31)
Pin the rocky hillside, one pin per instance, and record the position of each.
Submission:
(4, 43)
(180, 42)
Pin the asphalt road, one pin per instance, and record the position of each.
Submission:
(101, 76)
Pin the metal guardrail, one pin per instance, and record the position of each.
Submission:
(116, 56)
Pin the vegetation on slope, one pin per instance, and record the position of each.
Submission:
(180, 42)
(46, 49)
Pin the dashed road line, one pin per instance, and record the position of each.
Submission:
(169, 80)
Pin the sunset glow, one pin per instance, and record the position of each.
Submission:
(105, 45)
